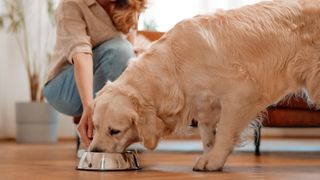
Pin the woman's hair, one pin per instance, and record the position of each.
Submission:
(124, 13)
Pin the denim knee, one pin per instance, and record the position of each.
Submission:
(61, 102)
(117, 50)
(110, 60)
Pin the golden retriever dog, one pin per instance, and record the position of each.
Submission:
(222, 69)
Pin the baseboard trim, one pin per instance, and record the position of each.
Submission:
(62, 139)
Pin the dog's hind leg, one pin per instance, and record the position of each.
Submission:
(236, 113)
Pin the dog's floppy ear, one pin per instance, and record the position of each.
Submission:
(150, 129)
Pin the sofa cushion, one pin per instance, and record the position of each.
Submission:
(291, 118)
(151, 35)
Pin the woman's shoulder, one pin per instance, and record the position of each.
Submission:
(72, 2)
(68, 6)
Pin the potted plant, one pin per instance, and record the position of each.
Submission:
(36, 120)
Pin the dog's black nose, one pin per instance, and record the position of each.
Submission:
(96, 149)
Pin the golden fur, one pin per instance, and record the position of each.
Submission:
(222, 69)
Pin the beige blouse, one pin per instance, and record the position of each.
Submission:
(81, 25)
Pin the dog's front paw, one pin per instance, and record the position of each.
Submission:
(205, 164)
(200, 164)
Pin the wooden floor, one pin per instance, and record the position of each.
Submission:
(58, 161)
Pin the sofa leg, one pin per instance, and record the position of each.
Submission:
(257, 139)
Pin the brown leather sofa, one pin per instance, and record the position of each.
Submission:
(151, 35)
(289, 113)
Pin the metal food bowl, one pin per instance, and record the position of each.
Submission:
(93, 161)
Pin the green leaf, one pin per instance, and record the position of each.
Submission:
(150, 25)
(50, 7)
(1, 22)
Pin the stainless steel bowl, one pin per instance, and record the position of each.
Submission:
(109, 161)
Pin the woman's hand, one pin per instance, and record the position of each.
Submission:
(85, 127)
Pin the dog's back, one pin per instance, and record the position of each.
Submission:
(272, 44)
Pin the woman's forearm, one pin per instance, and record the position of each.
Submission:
(83, 70)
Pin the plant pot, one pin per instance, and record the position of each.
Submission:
(36, 123)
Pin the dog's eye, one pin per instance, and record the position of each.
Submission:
(113, 132)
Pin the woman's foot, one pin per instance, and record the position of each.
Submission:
(80, 148)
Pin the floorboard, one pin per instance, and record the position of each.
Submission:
(58, 161)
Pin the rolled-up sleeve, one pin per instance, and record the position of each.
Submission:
(72, 36)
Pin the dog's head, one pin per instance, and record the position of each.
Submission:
(120, 119)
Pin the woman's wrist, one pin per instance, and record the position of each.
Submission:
(87, 105)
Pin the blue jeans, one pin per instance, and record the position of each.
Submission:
(109, 60)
